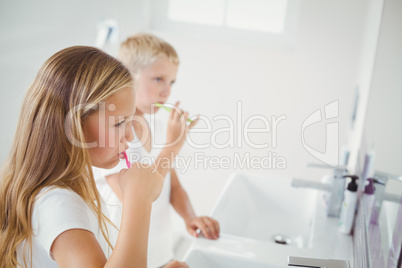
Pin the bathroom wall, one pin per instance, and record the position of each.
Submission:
(319, 67)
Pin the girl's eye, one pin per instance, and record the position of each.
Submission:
(158, 79)
(119, 124)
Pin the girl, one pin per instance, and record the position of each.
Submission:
(76, 113)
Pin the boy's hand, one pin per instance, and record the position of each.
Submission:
(176, 264)
(208, 226)
(178, 127)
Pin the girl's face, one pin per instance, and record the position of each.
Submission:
(109, 128)
(154, 84)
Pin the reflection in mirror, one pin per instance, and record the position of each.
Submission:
(384, 221)
(382, 133)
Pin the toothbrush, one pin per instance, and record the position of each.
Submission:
(127, 162)
(168, 109)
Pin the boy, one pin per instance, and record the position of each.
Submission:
(153, 64)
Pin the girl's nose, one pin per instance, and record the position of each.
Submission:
(129, 132)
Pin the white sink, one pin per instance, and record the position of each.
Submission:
(200, 258)
(252, 210)
(260, 208)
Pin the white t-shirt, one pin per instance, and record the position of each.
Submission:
(160, 240)
(55, 211)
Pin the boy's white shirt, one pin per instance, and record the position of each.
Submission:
(54, 212)
(160, 240)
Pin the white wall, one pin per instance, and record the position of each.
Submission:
(318, 68)
(364, 80)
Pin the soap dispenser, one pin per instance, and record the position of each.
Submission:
(348, 206)
(369, 197)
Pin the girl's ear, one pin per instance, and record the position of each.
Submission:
(68, 130)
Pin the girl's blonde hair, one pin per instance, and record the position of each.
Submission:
(140, 50)
(42, 154)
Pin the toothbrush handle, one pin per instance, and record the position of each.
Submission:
(127, 162)
(168, 109)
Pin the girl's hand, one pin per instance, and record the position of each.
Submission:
(178, 127)
(141, 181)
(176, 264)
(209, 227)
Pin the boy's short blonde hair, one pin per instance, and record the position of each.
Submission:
(140, 50)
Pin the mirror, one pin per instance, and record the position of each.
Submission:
(384, 224)
(383, 132)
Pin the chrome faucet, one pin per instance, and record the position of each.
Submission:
(336, 189)
(317, 263)
(382, 178)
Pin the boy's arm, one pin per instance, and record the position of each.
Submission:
(181, 203)
(177, 131)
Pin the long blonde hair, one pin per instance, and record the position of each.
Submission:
(42, 154)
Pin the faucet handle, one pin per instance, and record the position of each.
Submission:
(317, 263)
(318, 165)
(311, 184)
(377, 181)
(385, 176)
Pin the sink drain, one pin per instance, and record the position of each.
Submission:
(281, 239)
